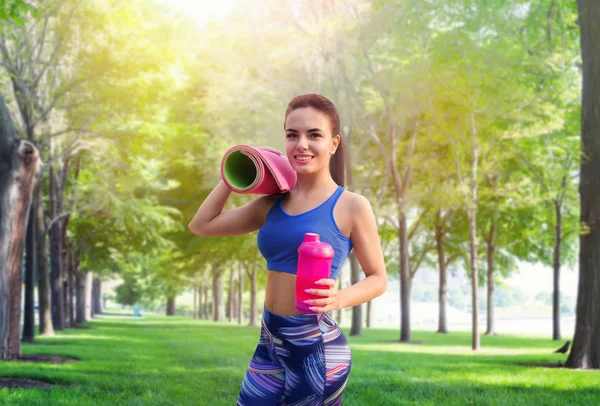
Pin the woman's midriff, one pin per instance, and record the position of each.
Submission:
(280, 295)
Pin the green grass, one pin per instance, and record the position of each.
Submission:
(178, 361)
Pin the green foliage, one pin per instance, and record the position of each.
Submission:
(128, 293)
(460, 298)
(505, 297)
(567, 302)
(14, 10)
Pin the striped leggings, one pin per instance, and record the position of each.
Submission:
(301, 360)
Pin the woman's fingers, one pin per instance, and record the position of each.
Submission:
(319, 302)
(320, 292)
(328, 282)
(330, 294)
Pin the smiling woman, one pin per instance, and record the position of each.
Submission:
(202, 11)
(303, 357)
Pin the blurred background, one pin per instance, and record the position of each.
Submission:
(460, 121)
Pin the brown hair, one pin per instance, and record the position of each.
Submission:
(326, 106)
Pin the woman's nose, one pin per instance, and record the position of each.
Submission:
(302, 142)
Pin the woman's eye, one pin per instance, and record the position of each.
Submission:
(290, 135)
(315, 135)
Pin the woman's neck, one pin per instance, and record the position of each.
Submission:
(307, 185)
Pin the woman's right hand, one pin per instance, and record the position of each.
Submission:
(211, 220)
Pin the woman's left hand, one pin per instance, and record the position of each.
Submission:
(331, 301)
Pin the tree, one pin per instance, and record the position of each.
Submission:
(469, 99)
(548, 144)
(19, 163)
(253, 263)
(31, 53)
(128, 293)
(585, 352)
(389, 114)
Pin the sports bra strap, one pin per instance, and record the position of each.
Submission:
(332, 201)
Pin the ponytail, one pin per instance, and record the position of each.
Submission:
(336, 165)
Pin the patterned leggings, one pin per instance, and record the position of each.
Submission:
(300, 360)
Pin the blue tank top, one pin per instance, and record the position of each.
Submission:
(281, 235)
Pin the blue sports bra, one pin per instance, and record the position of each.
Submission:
(281, 235)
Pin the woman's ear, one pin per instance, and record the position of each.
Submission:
(336, 142)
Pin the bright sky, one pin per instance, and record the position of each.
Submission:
(202, 10)
(536, 278)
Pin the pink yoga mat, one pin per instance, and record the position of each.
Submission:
(261, 170)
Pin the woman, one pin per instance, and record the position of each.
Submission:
(303, 358)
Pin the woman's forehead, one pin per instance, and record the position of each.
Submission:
(307, 118)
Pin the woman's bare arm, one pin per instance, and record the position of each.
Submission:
(367, 248)
(211, 220)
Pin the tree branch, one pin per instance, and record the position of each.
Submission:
(415, 226)
(450, 260)
(425, 251)
(391, 221)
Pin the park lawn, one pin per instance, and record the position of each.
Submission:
(157, 360)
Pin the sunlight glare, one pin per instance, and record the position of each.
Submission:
(202, 11)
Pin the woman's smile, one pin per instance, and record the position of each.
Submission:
(303, 159)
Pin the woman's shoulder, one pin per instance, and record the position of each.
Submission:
(265, 203)
(355, 203)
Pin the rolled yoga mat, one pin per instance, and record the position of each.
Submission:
(262, 170)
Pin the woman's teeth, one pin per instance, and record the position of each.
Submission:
(304, 158)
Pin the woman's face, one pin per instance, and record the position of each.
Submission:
(309, 143)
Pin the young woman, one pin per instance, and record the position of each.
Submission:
(303, 359)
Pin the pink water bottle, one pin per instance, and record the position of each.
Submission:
(314, 263)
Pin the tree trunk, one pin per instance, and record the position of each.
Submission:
(19, 163)
(66, 300)
(585, 352)
(253, 298)
(70, 254)
(97, 296)
(405, 279)
(29, 316)
(356, 324)
(490, 283)
(443, 288)
(200, 303)
(44, 312)
(83, 290)
(474, 278)
(206, 313)
(472, 216)
(69, 261)
(218, 306)
(230, 297)
(171, 306)
(235, 304)
(72, 290)
(356, 328)
(56, 277)
(80, 297)
(240, 293)
(194, 297)
(369, 313)
(88, 278)
(556, 266)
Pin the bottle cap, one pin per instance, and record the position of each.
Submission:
(314, 247)
(311, 237)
